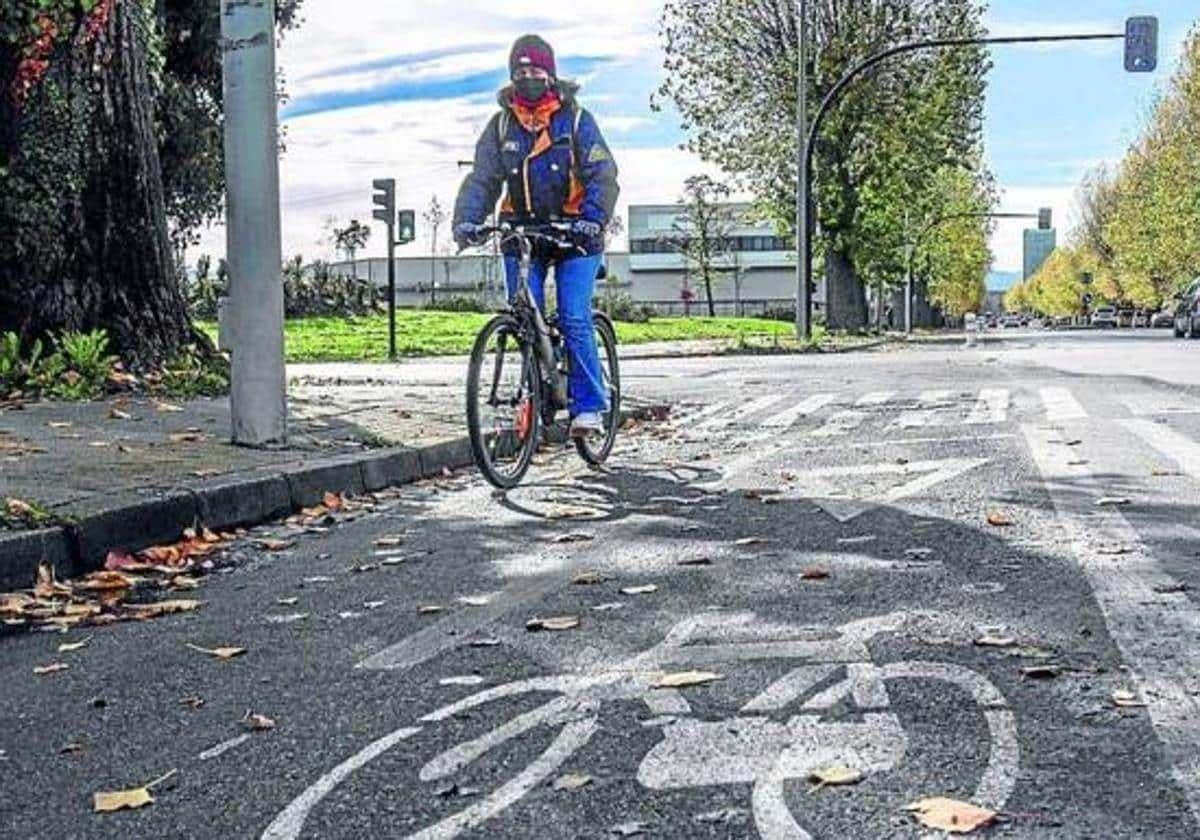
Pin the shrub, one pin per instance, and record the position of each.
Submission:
(78, 369)
(622, 307)
(461, 303)
(319, 291)
(16, 368)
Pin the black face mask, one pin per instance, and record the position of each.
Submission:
(531, 90)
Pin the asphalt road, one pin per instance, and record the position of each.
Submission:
(815, 532)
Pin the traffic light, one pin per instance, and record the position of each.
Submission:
(385, 200)
(407, 230)
(1141, 44)
(1045, 218)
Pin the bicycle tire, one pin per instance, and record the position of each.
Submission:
(500, 326)
(588, 451)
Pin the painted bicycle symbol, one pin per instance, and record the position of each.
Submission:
(755, 747)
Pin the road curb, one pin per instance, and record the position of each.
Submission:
(132, 522)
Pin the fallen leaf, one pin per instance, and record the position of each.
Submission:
(1114, 550)
(349, 615)
(389, 542)
(1127, 700)
(121, 800)
(105, 582)
(223, 653)
(998, 520)
(572, 781)
(684, 679)
(995, 641)
(475, 600)
(184, 583)
(834, 776)
(118, 414)
(272, 544)
(865, 538)
(648, 589)
(333, 501)
(1030, 653)
(616, 605)
(1113, 501)
(590, 578)
(161, 608)
(484, 643)
(72, 647)
(373, 605)
(194, 701)
(1171, 588)
(430, 609)
(919, 552)
(52, 668)
(59, 424)
(72, 748)
(365, 567)
(318, 579)
(556, 624)
(696, 561)
(258, 723)
(567, 512)
(814, 574)
(20, 507)
(748, 541)
(287, 602)
(724, 815)
(463, 681)
(393, 561)
(166, 408)
(629, 829)
(950, 815)
(577, 537)
(186, 437)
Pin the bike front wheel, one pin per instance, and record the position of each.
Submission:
(595, 450)
(504, 414)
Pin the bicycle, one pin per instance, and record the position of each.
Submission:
(504, 447)
(756, 747)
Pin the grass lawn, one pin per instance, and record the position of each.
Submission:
(423, 333)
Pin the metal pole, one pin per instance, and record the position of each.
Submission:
(803, 246)
(258, 390)
(908, 293)
(391, 234)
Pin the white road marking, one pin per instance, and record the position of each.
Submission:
(288, 824)
(991, 409)
(1180, 449)
(1150, 403)
(840, 424)
(735, 415)
(1061, 405)
(785, 419)
(933, 403)
(815, 485)
(1155, 633)
(876, 398)
(705, 413)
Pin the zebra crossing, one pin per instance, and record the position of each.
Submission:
(827, 415)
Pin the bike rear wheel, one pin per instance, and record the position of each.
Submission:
(595, 450)
(504, 414)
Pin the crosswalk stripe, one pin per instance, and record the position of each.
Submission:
(742, 412)
(1180, 449)
(706, 412)
(876, 398)
(928, 416)
(1061, 405)
(1148, 404)
(992, 407)
(786, 418)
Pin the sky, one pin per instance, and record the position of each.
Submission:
(403, 90)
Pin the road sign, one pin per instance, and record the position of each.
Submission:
(1141, 44)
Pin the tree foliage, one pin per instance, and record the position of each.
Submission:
(702, 232)
(1139, 231)
(732, 73)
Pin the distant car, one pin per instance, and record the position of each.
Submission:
(1187, 312)
(1162, 320)
(1011, 322)
(1141, 319)
(1125, 318)
(1105, 317)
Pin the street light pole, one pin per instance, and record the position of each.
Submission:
(803, 246)
(258, 392)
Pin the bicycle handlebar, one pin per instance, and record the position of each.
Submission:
(551, 233)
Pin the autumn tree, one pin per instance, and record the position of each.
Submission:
(702, 232)
(110, 159)
(732, 73)
(350, 240)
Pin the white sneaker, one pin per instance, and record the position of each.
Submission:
(587, 424)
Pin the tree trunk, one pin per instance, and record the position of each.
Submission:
(712, 309)
(846, 298)
(111, 266)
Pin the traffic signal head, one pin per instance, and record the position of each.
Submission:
(1045, 218)
(1141, 44)
(407, 230)
(385, 200)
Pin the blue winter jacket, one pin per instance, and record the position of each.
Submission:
(575, 177)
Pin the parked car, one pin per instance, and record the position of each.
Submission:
(1105, 317)
(1163, 320)
(1187, 312)
(1125, 318)
(1011, 322)
(1141, 319)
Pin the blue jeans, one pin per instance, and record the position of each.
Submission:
(575, 280)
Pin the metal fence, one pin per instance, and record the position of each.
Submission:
(745, 308)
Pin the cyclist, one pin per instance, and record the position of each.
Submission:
(547, 154)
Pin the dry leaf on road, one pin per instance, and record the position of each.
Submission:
(572, 781)
(685, 679)
(272, 544)
(389, 542)
(556, 624)
(814, 574)
(52, 668)
(1040, 672)
(834, 776)
(1127, 700)
(430, 609)
(995, 641)
(1113, 501)
(998, 520)
(287, 602)
(648, 589)
(160, 608)
(219, 653)
(950, 815)
(475, 600)
(108, 802)
(71, 647)
(576, 537)
(748, 541)
(695, 561)
(590, 578)
(258, 723)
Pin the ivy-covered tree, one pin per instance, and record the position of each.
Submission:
(110, 154)
(731, 71)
